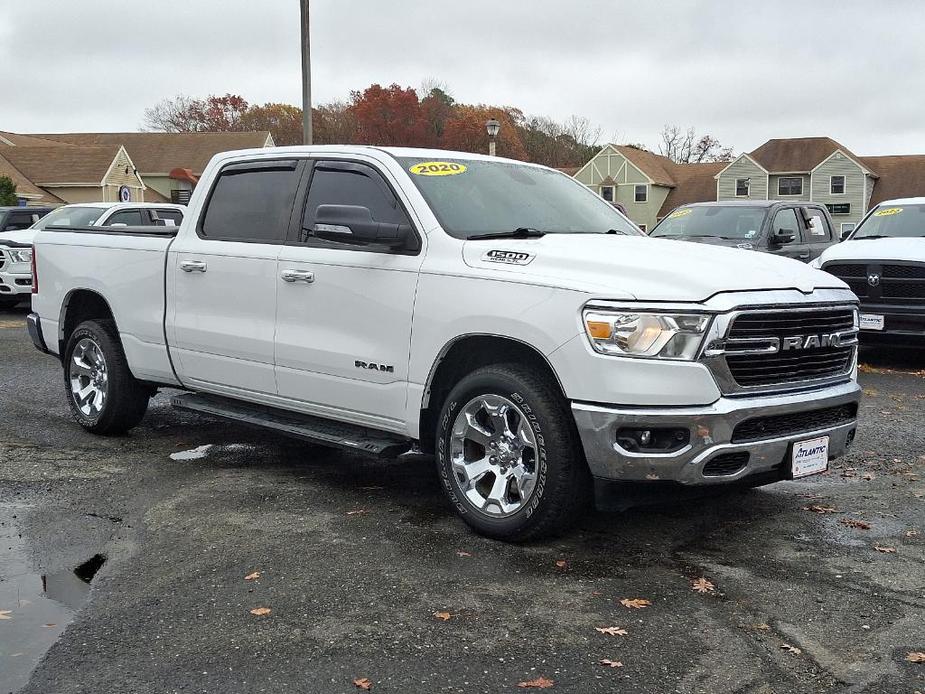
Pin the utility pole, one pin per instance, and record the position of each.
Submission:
(306, 76)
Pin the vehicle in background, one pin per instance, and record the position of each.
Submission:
(883, 261)
(493, 313)
(13, 218)
(16, 245)
(795, 230)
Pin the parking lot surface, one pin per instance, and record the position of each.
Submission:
(183, 529)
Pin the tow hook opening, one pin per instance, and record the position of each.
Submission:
(653, 439)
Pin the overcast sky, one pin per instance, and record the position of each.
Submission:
(744, 71)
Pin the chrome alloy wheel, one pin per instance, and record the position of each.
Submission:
(89, 377)
(493, 454)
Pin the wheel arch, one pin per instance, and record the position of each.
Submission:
(463, 354)
(80, 304)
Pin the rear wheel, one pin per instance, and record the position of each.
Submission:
(509, 455)
(103, 395)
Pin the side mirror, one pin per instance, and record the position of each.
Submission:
(782, 237)
(355, 224)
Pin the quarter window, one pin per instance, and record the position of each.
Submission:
(174, 216)
(790, 185)
(641, 193)
(742, 187)
(837, 185)
(251, 202)
(131, 218)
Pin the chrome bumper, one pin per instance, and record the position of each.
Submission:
(711, 428)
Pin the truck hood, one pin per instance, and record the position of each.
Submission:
(20, 237)
(643, 268)
(876, 249)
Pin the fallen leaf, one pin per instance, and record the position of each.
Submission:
(443, 616)
(855, 523)
(5, 614)
(790, 649)
(612, 631)
(702, 585)
(48, 626)
(252, 576)
(885, 550)
(539, 683)
(915, 657)
(821, 509)
(362, 683)
(562, 564)
(763, 627)
(635, 603)
(357, 512)
(460, 553)
(261, 611)
(912, 533)
(610, 663)
(867, 476)
(870, 392)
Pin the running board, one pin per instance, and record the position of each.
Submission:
(379, 444)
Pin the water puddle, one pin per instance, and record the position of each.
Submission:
(34, 608)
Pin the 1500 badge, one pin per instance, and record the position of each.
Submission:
(508, 257)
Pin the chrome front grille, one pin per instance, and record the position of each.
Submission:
(777, 349)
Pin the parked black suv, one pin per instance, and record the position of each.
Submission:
(799, 230)
(12, 218)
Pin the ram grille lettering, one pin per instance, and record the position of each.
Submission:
(795, 342)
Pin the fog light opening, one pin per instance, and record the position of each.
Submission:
(850, 438)
(652, 439)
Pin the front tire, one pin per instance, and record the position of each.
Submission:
(103, 395)
(508, 455)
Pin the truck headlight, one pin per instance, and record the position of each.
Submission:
(20, 256)
(651, 334)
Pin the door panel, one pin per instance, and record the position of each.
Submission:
(342, 339)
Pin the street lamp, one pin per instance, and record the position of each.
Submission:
(306, 75)
(492, 126)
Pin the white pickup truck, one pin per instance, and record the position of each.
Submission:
(493, 313)
(16, 246)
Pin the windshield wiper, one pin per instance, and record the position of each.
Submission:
(518, 233)
(872, 236)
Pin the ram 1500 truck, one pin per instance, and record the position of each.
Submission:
(494, 313)
(883, 261)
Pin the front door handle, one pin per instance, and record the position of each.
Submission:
(297, 276)
(804, 256)
(192, 266)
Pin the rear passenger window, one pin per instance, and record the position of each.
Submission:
(251, 202)
(20, 220)
(130, 218)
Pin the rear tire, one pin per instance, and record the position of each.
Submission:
(509, 456)
(103, 395)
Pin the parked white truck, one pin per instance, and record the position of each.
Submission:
(494, 313)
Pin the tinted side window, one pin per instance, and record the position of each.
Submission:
(359, 185)
(251, 203)
(173, 215)
(127, 217)
(20, 220)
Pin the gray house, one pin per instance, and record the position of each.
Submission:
(811, 169)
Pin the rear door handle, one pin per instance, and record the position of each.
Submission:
(192, 266)
(297, 276)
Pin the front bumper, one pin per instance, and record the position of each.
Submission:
(899, 321)
(711, 435)
(15, 283)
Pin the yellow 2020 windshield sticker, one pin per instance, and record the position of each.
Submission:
(888, 211)
(437, 168)
(679, 213)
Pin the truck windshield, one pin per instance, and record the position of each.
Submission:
(70, 217)
(473, 197)
(726, 222)
(891, 221)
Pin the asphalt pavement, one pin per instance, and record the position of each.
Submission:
(359, 571)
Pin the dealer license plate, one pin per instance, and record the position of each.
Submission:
(871, 321)
(810, 457)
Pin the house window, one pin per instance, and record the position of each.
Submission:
(641, 193)
(790, 185)
(742, 187)
(607, 193)
(847, 228)
(837, 185)
(643, 228)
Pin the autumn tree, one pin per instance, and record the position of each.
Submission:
(388, 116)
(8, 195)
(185, 115)
(465, 131)
(334, 124)
(685, 147)
(284, 122)
(437, 107)
(569, 143)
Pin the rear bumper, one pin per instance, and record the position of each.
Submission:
(34, 326)
(713, 433)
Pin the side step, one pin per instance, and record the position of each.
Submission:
(379, 444)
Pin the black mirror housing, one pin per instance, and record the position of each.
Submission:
(782, 237)
(355, 224)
